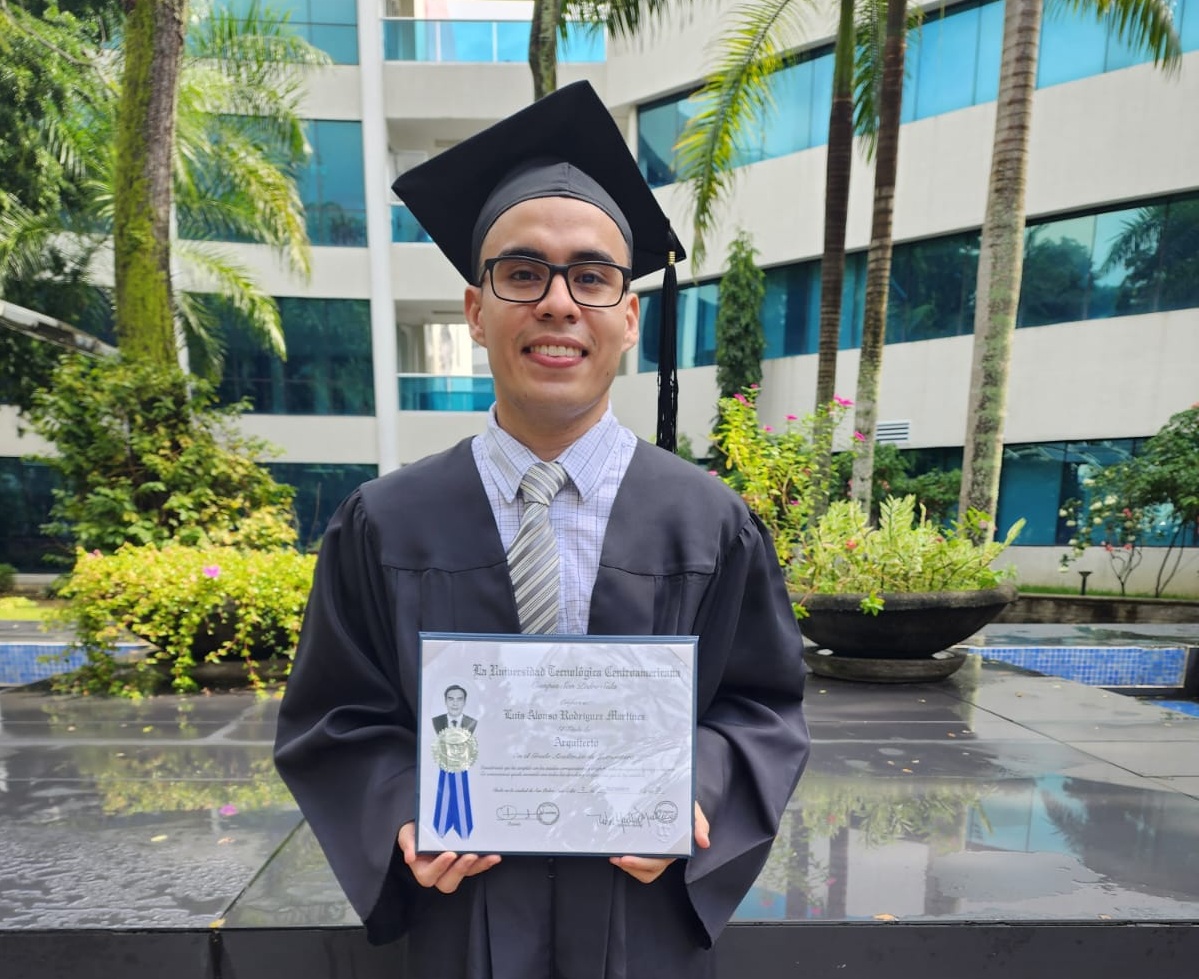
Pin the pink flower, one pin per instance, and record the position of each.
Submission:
(212, 571)
(713, 472)
(1108, 548)
(96, 553)
(841, 402)
(767, 428)
(850, 545)
(1127, 512)
(741, 397)
(793, 418)
(753, 387)
(859, 437)
(228, 810)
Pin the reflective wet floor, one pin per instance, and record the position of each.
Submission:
(994, 795)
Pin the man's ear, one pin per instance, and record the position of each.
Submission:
(632, 328)
(472, 303)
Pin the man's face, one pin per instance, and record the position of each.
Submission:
(455, 701)
(553, 361)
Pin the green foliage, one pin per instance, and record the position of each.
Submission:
(780, 475)
(740, 342)
(936, 491)
(194, 604)
(145, 456)
(8, 578)
(842, 553)
(1150, 499)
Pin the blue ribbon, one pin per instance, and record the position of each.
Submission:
(452, 808)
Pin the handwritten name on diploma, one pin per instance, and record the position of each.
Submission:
(533, 714)
(574, 672)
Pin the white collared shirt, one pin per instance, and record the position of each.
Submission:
(595, 463)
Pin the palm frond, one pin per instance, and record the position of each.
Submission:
(620, 18)
(1145, 25)
(871, 19)
(237, 287)
(735, 95)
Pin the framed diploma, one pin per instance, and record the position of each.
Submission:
(556, 744)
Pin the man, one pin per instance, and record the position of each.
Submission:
(455, 704)
(547, 218)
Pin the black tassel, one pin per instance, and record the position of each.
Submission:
(668, 376)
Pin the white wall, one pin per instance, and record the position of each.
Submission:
(1042, 566)
(316, 438)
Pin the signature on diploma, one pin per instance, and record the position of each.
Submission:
(665, 813)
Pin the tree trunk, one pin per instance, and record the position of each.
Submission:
(543, 46)
(154, 32)
(836, 207)
(878, 262)
(1000, 261)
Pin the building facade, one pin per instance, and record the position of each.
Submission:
(380, 369)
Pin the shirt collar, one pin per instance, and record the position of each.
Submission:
(584, 460)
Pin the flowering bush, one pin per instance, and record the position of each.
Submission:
(843, 554)
(784, 477)
(193, 604)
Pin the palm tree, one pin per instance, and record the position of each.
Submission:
(236, 146)
(1144, 24)
(878, 261)
(621, 18)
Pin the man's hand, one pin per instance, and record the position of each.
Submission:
(445, 871)
(649, 869)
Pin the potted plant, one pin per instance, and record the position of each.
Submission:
(887, 602)
(883, 602)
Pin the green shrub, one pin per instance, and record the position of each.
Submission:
(194, 605)
(8, 578)
(145, 455)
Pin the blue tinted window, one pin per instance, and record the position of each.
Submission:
(328, 368)
(405, 228)
(822, 99)
(932, 288)
(26, 496)
(1030, 486)
(339, 43)
(1186, 14)
(791, 310)
(512, 41)
(330, 25)
(320, 487)
(990, 49)
(1056, 282)
(332, 12)
(1073, 46)
(332, 186)
(789, 126)
(853, 301)
(1179, 255)
(582, 44)
(945, 72)
(658, 129)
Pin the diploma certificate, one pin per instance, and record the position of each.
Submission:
(553, 744)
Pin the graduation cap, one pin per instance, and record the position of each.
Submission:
(564, 145)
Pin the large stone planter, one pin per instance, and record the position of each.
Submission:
(908, 641)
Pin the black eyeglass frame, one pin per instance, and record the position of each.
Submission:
(489, 265)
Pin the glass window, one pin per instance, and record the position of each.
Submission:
(1055, 286)
(582, 44)
(405, 228)
(791, 310)
(822, 99)
(697, 325)
(26, 496)
(788, 126)
(932, 288)
(853, 301)
(1107, 267)
(990, 49)
(331, 12)
(658, 129)
(332, 185)
(467, 40)
(1030, 486)
(1073, 46)
(1132, 265)
(320, 487)
(1179, 255)
(1186, 14)
(945, 73)
(328, 368)
(339, 43)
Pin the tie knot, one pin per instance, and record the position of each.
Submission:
(542, 481)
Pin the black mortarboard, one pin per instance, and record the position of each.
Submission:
(459, 193)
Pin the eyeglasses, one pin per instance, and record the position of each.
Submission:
(516, 279)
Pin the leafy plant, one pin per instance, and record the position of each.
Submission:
(782, 476)
(740, 342)
(193, 604)
(842, 553)
(145, 456)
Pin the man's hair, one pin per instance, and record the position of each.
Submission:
(455, 687)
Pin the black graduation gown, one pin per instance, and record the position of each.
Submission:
(418, 549)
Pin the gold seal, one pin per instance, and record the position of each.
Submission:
(455, 749)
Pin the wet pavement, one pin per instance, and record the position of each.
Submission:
(993, 796)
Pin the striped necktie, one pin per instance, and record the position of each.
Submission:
(533, 556)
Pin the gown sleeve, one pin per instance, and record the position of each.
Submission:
(752, 740)
(346, 741)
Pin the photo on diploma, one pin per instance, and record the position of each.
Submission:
(556, 744)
